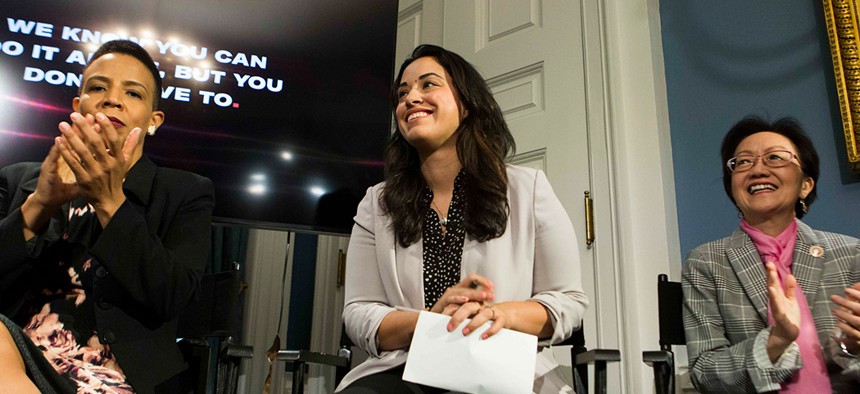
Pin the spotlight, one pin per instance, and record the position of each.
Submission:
(257, 189)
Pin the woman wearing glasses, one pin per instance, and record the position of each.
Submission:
(771, 307)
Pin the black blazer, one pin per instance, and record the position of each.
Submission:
(148, 262)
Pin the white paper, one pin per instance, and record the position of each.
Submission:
(503, 363)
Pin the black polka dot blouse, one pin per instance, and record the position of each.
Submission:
(443, 251)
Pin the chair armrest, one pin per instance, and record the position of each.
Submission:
(237, 351)
(657, 356)
(307, 356)
(598, 355)
(663, 362)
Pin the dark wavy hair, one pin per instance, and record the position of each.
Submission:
(483, 143)
(786, 127)
(136, 51)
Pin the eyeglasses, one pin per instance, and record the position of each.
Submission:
(773, 159)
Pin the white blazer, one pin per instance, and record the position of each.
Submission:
(537, 258)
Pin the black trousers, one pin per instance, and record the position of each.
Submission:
(389, 382)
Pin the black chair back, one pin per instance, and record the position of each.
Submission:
(217, 311)
(670, 301)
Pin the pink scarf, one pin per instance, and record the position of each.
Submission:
(812, 378)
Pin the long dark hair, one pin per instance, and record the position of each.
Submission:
(483, 143)
(786, 127)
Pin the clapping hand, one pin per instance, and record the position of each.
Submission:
(99, 160)
(848, 317)
(57, 184)
(785, 310)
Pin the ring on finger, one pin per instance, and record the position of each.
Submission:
(490, 307)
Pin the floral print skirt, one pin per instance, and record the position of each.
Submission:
(91, 365)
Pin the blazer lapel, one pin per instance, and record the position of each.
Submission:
(408, 273)
(806, 267)
(750, 270)
(400, 268)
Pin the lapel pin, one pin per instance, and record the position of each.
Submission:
(816, 251)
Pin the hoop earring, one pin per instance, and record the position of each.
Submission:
(151, 130)
(803, 206)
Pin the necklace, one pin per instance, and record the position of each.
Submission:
(443, 219)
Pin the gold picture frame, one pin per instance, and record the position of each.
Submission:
(842, 20)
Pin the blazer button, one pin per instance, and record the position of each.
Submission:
(101, 272)
(108, 337)
(104, 304)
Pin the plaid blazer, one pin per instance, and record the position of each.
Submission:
(725, 310)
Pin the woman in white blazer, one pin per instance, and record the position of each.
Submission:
(453, 229)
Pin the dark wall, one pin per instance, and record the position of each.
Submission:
(727, 59)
